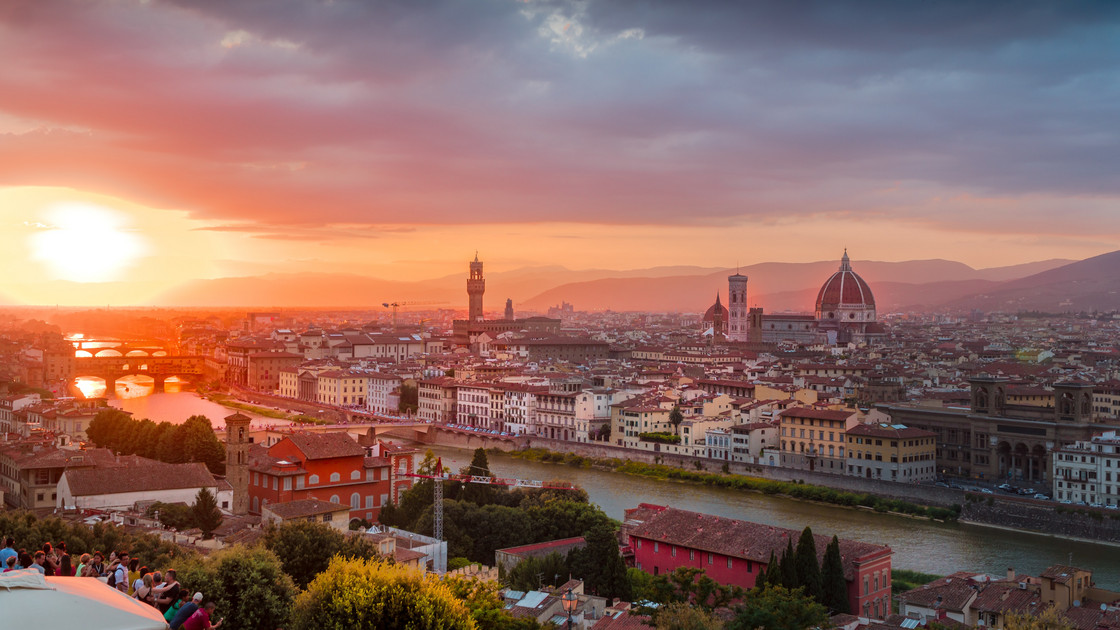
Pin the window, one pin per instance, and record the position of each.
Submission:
(287, 483)
(691, 553)
(299, 482)
(313, 480)
(369, 502)
(384, 499)
(334, 499)
(711, 558)
(369, 473)
(655, 547)
(327, 518)
(355, 475)
(356, 504)
(275, 483)
(335, 477)
(673, 551)
(728, 562)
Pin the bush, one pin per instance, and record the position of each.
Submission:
(247, 583)
(360, 594)
(305, 548)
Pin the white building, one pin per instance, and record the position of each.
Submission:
(342, 388)
(1088, 472)
(121, 488)
(472, 405)
(383, 393)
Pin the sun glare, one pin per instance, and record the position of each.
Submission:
(86, 243)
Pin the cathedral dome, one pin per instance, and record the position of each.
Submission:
(710, 314)
(845, 296)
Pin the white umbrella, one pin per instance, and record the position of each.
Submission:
(30, 600)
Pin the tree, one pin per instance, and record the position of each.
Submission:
(774, 570)
(248, 584)
(478, 493)
(532, 574)
(409, 399)
(788, 567)
(604, 571)
(834, 588)
(778, 608)
(1049, 619)
(805, 563)
(681, 616)
(205, 512)
(305, 548)
(427, 466)
(174, 515)
(676, 418)
(689, 585)
(361, 594)
(486, 605)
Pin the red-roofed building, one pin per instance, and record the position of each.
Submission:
(330, 467)
(731, 551)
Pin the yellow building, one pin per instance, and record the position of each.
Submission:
(813, 439)
(893, 452)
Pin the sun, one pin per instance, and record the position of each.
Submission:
(83, 242)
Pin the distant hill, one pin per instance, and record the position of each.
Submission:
(1086, 285)
(787, 286)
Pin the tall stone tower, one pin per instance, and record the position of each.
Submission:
(237, 460)
(737, 325)
(476, 286)
(509, 309)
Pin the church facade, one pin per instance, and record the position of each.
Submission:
(844, 312)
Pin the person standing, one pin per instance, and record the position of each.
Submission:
(9, 551)
(37, 563)
(186, 611)
(64, 568)
(168, 593)
(120, 574)
(133, 574)
(200, 620)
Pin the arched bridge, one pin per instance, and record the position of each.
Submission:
(159, 368)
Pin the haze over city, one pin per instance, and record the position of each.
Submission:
(150, 144)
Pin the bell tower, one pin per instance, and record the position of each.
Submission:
(476, 286)
(237, 460)
(737, 315)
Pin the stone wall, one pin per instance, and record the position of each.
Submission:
(455, 438)
(1041, 516)
(300, 406)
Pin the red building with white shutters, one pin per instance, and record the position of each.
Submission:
(330, 467)
(731, 551)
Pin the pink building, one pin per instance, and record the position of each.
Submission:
(731, 551)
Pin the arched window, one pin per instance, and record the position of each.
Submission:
(355, 501)
(312, 480)
(334, 498)
(256, 504)
(335, 477)
(355, 475)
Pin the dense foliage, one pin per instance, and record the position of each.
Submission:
(360, 594)
(778, 608)
(191, 441)
(248, 584)
(834, 589)
(480, 519)
(661, 437)
(687, 585)
(305, 548)
(31, 532)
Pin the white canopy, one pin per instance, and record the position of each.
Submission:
(30, 600)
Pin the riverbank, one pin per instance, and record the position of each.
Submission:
(228, 401)
(792, 490)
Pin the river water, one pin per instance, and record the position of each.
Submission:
(939, 548)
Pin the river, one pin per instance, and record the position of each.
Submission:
(137, 395)
(939, 548)
(921, 545)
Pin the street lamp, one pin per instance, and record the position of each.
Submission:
(569, 600)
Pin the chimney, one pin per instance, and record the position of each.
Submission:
(1010, 573)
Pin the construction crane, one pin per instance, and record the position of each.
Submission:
(396, 305)
(439, 476)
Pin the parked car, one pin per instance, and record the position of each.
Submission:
(986, 491)
(1042, 497)
(1006, 487)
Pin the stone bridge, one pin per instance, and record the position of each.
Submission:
(158, 368)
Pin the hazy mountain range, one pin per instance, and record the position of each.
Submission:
(1049, 285)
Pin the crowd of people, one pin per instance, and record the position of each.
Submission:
(160, 590)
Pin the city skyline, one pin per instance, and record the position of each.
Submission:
(151, 144)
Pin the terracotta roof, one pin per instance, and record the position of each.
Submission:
(817, 414)
(738, 539)
(150, 477)
(303, 508)
(889, 431)
(955, 592)
(326, 445)
(623, 620)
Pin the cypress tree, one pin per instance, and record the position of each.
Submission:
(760, 579)
(834, 588)
(805, 564)
(789, 570)
(774, 571)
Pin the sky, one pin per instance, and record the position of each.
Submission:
(153, 142)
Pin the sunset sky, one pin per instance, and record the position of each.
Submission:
(156, 142)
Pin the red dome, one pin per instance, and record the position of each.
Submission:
(844, 287)
(710, 314)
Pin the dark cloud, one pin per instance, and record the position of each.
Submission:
(303, 113)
